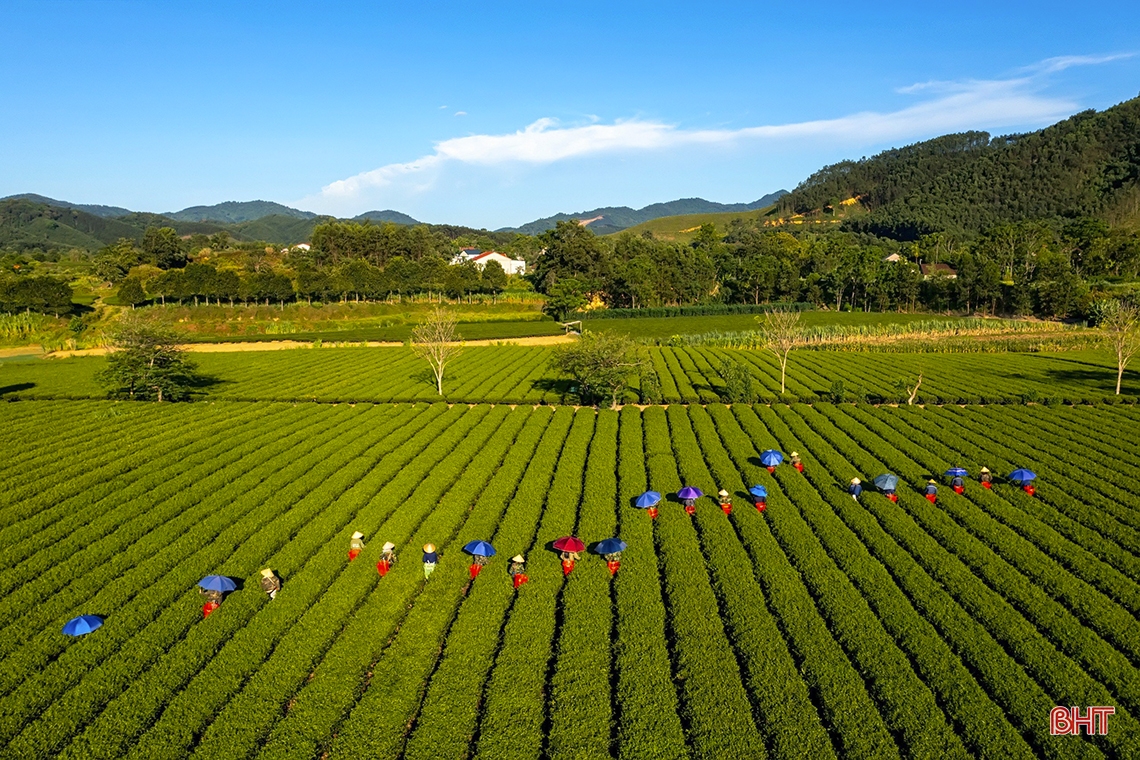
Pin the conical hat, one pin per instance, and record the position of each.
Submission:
(358, 534)
(389, 546)
(931, 482)
(267, 573)
(429, 547)
(518, 558)
(855, 481)
(985, 469)
(722, 492)
(795, 453)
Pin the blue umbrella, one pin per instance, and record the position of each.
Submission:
(760, 492)
(771, 458)
(480, 549)
(1023, 475)
(688, 492)
(957, 472)
(217, 583)
(610, 546)
(886, 482)
(82, 624)
(648, 499)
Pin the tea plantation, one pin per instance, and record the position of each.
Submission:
(824, 626)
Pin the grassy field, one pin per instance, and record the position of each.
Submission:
(823, 627)
(523, 374)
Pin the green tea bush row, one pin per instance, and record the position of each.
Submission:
(448, 719)
(955, 560)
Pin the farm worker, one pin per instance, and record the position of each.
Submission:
(270, 583)
(986, 478)
(613, 560)
(356, 545)
(431, 558)
(568, 560)
(931, 491)
(477, 565)
(213, 601)
(958, 484)
(690, 506)
(894, 497)
(1029, 488)
(652, 511)
(855, 489)
(387, 559)
(517, 566)
(795, 460)
(725, 501)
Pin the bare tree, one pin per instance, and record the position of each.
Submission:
(912, 393)
(1122, 323)
(435, 340)
(779, 332)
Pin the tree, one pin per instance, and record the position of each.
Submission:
(435, 340)
(494, 278)
(147, 364)
(1122, 323)
(163, 247)
(564, 297)
(601, 363)
(779, 332)
(131, 292)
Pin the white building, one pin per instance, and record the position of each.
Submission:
(509, 265)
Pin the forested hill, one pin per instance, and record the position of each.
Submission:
(616, 218)
(1086, 165)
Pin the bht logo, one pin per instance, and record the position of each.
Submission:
(1068, 721)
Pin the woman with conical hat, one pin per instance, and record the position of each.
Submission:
(387, 558)
(855, 488)
(356, 545)
(985, 478)
(517, 570)
(270, 583)
(796, 462)
(431, 559)
(725, 501)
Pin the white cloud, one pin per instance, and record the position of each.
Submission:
(1062, 62)
(460, 113)
(948, 107)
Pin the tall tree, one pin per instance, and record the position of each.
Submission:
(436, 341)
(1121, 321)
(602, 363)
(147, 363)
(779, 332)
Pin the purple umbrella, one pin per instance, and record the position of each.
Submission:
(688, 492)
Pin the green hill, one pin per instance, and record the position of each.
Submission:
(683, 226)
(1086, 165)
(611, 219)
(233, 212)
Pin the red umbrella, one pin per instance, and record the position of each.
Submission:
(569, 544)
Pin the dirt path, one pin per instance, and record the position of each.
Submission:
(280, 345)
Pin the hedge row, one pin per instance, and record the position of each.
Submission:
(514, 704)
(1063, 678)
(382, 676)
(448, 718)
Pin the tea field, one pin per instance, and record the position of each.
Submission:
(822, 627)
(524, 374)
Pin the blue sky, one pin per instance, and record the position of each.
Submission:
(495, 114)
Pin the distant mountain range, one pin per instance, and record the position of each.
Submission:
(610, 219)
(36, 221)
